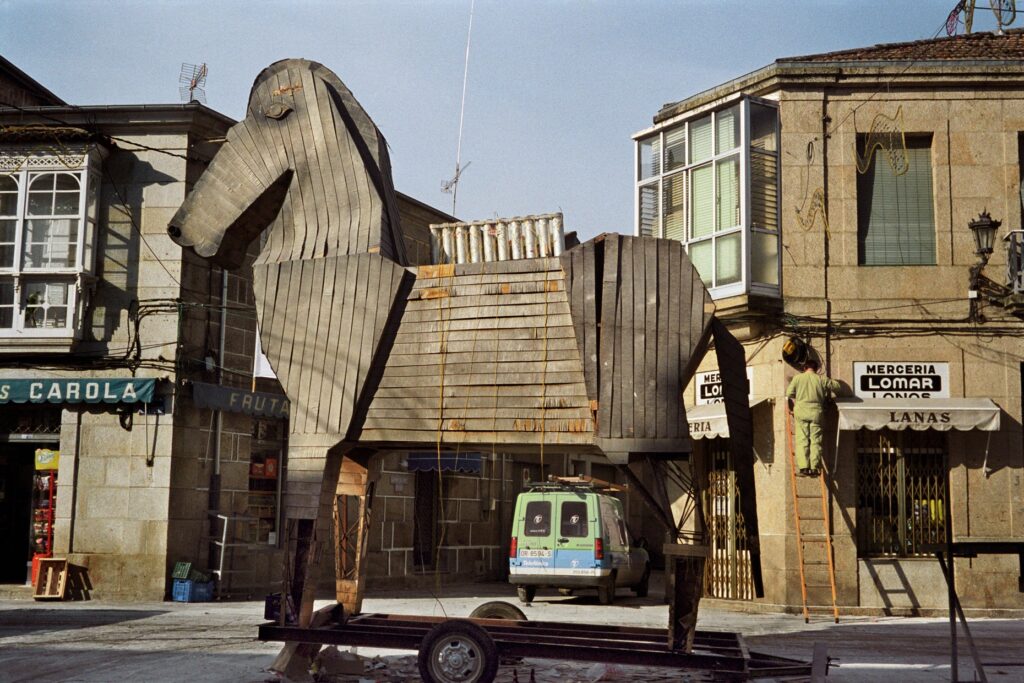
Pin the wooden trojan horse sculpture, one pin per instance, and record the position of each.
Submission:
(582, 351)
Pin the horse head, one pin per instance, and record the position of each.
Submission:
(306, 162)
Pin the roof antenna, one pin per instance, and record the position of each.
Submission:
(453, 184)
(192, 80)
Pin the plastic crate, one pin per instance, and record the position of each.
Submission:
(185, 571)
(186, 590)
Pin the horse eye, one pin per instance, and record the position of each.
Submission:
(277, 111)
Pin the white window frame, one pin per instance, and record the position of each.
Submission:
(26, 165)
(657, 181)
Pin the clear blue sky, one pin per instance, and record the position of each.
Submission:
(556, 88)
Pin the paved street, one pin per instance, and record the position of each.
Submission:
(105, 642)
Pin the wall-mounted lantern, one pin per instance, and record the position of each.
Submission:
(983, 228)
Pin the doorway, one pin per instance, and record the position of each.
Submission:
(17, 466)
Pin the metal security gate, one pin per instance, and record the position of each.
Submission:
(727, 573)
(902, 492)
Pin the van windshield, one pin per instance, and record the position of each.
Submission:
(573, 523)
(538, 518)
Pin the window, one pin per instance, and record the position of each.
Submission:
(47, 227)
(712, 183)
(895, 213)
(573, 523)
(902, 489)
(538, 518)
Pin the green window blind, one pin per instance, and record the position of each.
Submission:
(702, 205)
(674, 206)
(895, 214)
(649, 210)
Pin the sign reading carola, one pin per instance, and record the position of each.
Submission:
(76, 390)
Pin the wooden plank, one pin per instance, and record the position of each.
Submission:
(662, 395)
(459, 350)
(623, 408)
(609, 294)
(402, 401)
(591, 318)
(583, 426)
(316, 352)
(638, 335)
(651, 329)
(488, 413)
(390, 380)
(509, 310)
(424, 391)
(433, 364)
(680, 284)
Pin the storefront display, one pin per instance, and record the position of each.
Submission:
(44, 505)
(264, 479)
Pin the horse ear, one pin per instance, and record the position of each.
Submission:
(277, 111)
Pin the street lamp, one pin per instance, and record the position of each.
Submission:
(984, 229)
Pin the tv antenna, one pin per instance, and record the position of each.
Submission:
(192, 80)
(452, 185)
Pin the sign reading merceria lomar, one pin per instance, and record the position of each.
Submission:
(901, 379)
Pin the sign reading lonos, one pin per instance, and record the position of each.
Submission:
(901, 380)
(76, 390)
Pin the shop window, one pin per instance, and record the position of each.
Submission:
(265, 478)
(712, 183)
(47, 232)
(902, 492)
(430, 491)
(895, 207)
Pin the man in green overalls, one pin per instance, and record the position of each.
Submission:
(807, 393)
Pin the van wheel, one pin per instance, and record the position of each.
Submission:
(457, 651)
(526, 593)
(496, 609)
(606, 591)
(641, 588)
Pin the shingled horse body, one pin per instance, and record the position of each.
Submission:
(586, 352)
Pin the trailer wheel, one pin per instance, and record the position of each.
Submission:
(526, 593)
(496, 609)
(457, 651)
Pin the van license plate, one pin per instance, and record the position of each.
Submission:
(530, 552)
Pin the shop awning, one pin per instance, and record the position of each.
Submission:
(708, 421)
(427, 461)
(942, 414)
(91, 390)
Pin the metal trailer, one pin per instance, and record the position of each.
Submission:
(468, 650)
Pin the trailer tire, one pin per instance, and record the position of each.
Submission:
(497, 609)
(457, 651)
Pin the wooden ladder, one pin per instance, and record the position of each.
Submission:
(813, 530)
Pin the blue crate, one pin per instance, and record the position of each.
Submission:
(186, 590)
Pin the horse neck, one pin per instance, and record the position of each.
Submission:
(315, 223)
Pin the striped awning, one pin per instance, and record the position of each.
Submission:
(428, 461)
(708, 421)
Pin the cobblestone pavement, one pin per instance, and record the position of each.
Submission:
(106, 642)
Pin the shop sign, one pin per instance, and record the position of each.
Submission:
(228, 399)
(76, 390)
(710, 389)
(901, 380)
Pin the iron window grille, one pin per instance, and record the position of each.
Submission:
(902, 492)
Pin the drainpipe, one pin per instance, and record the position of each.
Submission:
(825, 121)
(213, 500)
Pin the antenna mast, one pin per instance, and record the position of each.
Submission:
(453, 184)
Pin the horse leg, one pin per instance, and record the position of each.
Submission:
(353, 500)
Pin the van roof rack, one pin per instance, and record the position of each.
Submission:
(578, 482)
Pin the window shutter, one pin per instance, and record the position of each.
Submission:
(896, 223)
(649, 210)
(674, 203)
(702, 207)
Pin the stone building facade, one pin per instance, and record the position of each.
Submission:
(828, 198)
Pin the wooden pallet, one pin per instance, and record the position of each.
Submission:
(52, 583)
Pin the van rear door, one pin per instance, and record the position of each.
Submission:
(577, 528)
(536, 537)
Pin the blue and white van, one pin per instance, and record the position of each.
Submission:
(571, 534)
